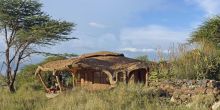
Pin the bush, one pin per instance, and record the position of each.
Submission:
(200, 63)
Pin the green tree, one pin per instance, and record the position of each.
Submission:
(25, 27)
(208, 31)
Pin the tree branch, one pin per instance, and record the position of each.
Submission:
(16, 52)
(20, 57)
(6, 35)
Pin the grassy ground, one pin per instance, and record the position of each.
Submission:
(123, 97)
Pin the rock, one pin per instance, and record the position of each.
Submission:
(192, 87)
(216, 91)
(216, 105)
(183, 91)
(211, 83)
(185, 98)
(193, 82)
(202, 83)
(209, 91)
(189, 83)
(179, 82)
(176, 95)
(173, 99)
(200, 90)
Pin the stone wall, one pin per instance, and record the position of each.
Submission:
(183, 90)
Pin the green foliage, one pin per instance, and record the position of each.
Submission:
(158, 70)
(143, 58)
(205, 62)
(201, 63)
(30, 24)
(26, 75)
(161, 70)
(25, 27)
(52, 58)
(209, 30)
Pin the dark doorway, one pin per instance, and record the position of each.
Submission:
(137, 76)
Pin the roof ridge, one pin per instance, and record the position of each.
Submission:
(101, 53)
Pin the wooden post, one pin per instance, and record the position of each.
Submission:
(40, 77)
(58, 81)
(86, 77)
(147, 77)
(93, 79)
(124, 77)
(73, 75)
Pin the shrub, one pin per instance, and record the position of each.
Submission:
(200, 63)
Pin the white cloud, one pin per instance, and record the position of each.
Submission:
(138, 40)
(151, 36)
(137, 50)
(97, 25)
(149, 50)
(211, 7)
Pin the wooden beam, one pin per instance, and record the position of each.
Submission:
(108, 73)
(40, 77)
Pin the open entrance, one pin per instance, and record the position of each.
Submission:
(137, 76)
(60, 81)
(120, 77)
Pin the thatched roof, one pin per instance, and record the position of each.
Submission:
(99, 60)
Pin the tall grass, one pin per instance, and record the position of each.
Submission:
(189, 62)
(123, 97)
(184, 61)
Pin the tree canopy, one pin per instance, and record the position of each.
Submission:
(25, 27)
(208, 31)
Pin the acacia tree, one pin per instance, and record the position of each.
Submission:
(24, 27)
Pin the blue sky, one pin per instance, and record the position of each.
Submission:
(133, 27)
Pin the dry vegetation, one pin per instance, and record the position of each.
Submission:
(195, 64)
(123, 97)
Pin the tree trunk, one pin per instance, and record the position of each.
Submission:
(11, 87)
(10, 82)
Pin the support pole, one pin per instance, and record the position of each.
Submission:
(40, 77)
(124, 77)
(73, 76)
(58, 81)
(147, 77)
